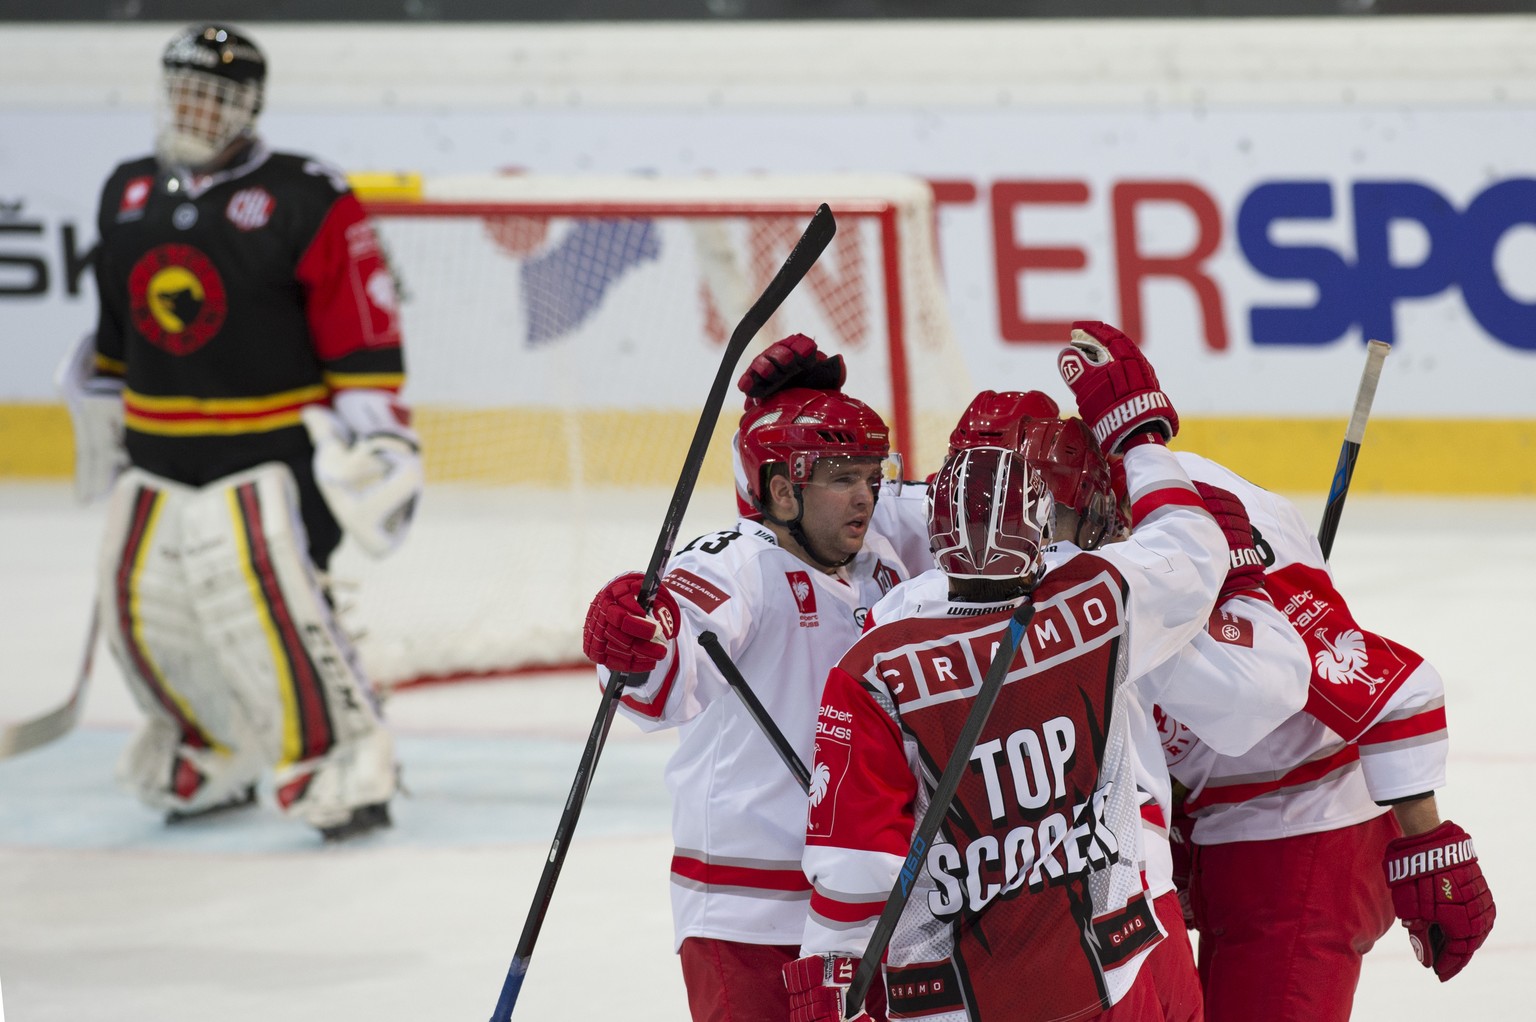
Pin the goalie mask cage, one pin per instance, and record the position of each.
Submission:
(560, 337)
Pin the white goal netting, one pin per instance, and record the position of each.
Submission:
(561, 336)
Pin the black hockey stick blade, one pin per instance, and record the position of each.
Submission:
(938, 807)
(759, 713)
(804, 255)
(29, 734)
(1354, 435)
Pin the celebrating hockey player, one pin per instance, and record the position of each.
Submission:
(1335, 810)
(1031, 904)
(786, 590)
(247, 360)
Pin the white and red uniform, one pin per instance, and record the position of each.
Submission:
(1301, 807)
(738, 818)
(1032, 905)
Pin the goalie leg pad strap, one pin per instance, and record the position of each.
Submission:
(260, 604)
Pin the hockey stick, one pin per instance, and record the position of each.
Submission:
(806, 251)
(1354, 434)
(938, 807)
(711, 643)
(29, 734)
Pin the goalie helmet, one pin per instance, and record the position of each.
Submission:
(797, 427)
(988, 515)
(996, 418)
(213, 80)
(1076, 472)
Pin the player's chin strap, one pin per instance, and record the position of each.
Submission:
(798, 534)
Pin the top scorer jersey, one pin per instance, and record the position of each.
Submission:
(738, 815)
(1031, 905)
(229, 301)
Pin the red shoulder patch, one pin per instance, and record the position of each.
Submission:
(1230, 629)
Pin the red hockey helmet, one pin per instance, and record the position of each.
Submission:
(988, 514)
(996, 418)
(1077, 473)
(797, 427)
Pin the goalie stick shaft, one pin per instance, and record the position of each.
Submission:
(759, 713)
(29, 734)
(938, 806)
(1354, 434)
(818, 233)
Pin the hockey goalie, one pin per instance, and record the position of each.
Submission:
(245, 372)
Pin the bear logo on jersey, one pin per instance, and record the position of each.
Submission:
(177, 298)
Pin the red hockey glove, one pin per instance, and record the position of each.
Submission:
(1183, 848)
(1245, 568)
(1117, 392)
(1439, 893)
(792, 362)
(622, 637)
(816, 988)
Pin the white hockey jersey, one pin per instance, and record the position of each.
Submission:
(1374, 728)
(738, 815)
(1032, 905)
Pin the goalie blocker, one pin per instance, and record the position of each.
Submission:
(230, 647)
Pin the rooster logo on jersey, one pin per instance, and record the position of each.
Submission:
(821, 779)
(1344, 660)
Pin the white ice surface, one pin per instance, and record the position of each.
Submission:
(106, 914)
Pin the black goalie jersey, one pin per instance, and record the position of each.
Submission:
(229, 302)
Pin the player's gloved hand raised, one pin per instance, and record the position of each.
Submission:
(1117, 392)
(1245, 571)
(793, 362)
(621, 636)
(817, 985)
(1439, 893)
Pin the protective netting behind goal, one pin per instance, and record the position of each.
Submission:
(561, 336)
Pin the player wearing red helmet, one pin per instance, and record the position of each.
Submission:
(786, 590)
(1030, 905)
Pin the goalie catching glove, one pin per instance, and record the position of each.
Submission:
(1117, 392)
(621, 635)
(367, 465)
(793, 362)
(1439, 893)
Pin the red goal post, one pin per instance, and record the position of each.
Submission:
(560, 334)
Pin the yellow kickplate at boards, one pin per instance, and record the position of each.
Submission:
(386, 186)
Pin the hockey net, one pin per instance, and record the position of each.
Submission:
(561, 335)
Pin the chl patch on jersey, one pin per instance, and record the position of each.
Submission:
(135, 198)
(1230, 629)
(177, 298)
(695, 590)
(804, 592)
(885, 577)
(250, 208)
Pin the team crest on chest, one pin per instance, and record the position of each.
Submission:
(250, 208)
(177, 298)
(804, 592)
